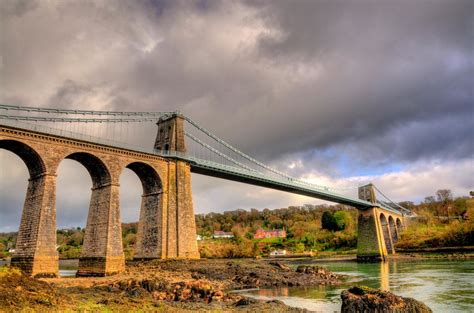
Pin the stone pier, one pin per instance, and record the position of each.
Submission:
(377, 229)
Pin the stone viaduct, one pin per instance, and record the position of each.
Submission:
(166, 227)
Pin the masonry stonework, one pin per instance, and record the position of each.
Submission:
(166, 200)
(34, 253)
(375, 238)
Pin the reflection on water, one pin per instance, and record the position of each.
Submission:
(384, 276)
(445, 286)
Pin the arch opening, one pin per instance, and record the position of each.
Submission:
(148, 240)
(98, 171)
(30, 157)
(73, 196)
(14, 176)
(399, 225)
(149, 178)
(386, 233)
(35, 243)
(393, 229)
(101, 252)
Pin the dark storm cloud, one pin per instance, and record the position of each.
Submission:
(311, 84)
(299, 75)
(388, 64)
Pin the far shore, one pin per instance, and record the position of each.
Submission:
(466, 252)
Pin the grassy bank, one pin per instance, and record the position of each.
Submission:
(319, 229)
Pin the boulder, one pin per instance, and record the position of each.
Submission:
(315, 271)
(281, 266)
(364, 299)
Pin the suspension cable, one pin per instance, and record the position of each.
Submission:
(218, 152)
(396, 204)
(85, 112)
(245, 155)
(80, 120)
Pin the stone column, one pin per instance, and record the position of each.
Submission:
(370, 243)
(171, 213)
(181, 226)
(102, 251)
(180, 235)
(150, 228)
(35, 251)
(186, 232)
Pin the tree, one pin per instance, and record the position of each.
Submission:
(341, 220)
(334, 221)
(430, 200)
(445, 196)
(327, 221)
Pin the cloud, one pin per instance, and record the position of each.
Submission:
(345, 89)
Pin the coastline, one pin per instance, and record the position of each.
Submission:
(163, 285)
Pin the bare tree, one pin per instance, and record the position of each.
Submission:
(430, 200)
(445, 196)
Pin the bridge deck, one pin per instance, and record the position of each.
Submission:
(213, 169)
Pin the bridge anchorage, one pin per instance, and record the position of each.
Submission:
(42, 138)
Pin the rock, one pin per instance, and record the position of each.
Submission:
(245, 301)
(364, 299)
(218, 295)
(281, 266)
(279, 302)
(318, 271)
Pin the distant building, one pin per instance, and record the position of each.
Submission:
(199, 237)
(219, 234)
(278, 253)
(11, 250)
(275, 233)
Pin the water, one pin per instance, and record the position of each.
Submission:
(68, 268)
(443, 285)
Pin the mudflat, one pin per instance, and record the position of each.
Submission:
(162, 286)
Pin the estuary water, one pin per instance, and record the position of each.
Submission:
(443, 285)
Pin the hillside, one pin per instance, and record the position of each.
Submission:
(440, 222)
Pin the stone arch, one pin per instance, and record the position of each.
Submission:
(386, 233)
(33, 161)
(98, 171)
(393, 229)
(102, 252)
(149, 178)
(35, 251)
(149, 242)
(399, 225)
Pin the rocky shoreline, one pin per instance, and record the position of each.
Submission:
(162, 286)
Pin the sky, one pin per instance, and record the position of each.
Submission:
(338, 93)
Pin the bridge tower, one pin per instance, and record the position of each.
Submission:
(179, 238)
(377, 229)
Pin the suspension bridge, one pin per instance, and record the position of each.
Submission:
(208, 154)
(181, 143)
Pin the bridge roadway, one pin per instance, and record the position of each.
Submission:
(213, 169)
